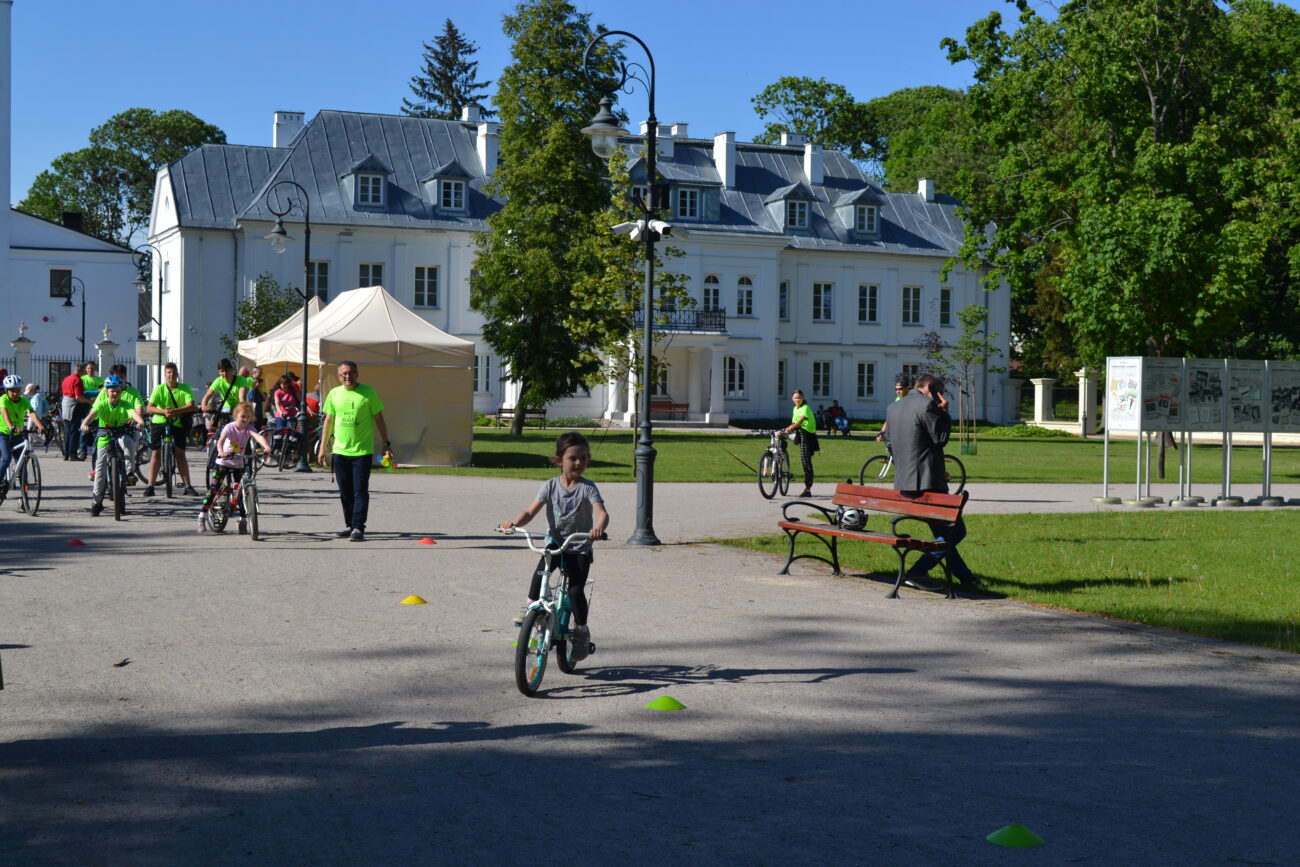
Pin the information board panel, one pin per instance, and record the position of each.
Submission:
(1206, 395)
(1123, 394)
(1245, 396)
(1284, 396)
(1162, 394)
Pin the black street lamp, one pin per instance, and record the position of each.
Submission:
(278, 237)
(140, 257)
(604, 132)
(67, 303)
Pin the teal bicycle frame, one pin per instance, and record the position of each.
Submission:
(546, 623)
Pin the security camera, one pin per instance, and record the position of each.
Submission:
(624, 228)
(661, 227)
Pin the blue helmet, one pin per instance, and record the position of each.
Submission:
(114, 381)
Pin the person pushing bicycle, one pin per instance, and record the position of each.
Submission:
(573, 505)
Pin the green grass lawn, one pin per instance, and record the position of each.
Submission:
(1230, 575)
(707, 457)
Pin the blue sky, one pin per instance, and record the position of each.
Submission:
(78, 62)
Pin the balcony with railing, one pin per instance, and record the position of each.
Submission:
(688, 319)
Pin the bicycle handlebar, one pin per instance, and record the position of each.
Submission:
(573, 539)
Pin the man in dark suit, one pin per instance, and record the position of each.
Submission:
(918, 427)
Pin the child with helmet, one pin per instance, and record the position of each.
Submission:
(114, 412)
(15, 410)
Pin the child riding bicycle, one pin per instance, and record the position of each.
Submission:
(230, 459)
(573, 505)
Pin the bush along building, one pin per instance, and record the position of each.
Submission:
(805, 274)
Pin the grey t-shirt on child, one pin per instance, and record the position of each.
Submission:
(569, 511)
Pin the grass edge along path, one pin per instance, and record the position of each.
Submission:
(1226, 575)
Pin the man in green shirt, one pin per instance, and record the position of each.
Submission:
(352, 414)
(112, 414)
(92, 384)
(172, 403)
(228, 388)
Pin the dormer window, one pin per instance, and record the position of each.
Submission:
(453, 195)
(688, 204)
(370, 191)
(864, 218)
(796, 214)
(640, 193)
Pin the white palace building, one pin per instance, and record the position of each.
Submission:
(806, 274)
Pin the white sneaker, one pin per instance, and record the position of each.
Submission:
(203, 524)
(523, 612)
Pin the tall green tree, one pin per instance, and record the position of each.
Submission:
(268, 306)
(1139, 194)
(111, 182)
(553, 187)
(446, 82)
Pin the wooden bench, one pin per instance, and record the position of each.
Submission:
(924, 506)
(507, 413)
(663, 406)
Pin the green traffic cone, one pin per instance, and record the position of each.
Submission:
(1017, 836)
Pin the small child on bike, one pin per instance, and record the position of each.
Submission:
(573, 505)
(230, 460)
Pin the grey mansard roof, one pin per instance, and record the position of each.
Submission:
(215, 186)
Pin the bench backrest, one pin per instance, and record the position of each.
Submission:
(937, 507)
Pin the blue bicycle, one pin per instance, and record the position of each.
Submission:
(547, 623)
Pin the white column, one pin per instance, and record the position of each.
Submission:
(22, 345)
(1087, 400)
(1043, 399)
(694, 381)
(717, 414)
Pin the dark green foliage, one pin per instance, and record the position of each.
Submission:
(111, 182)
(446, 83)
(268, 306)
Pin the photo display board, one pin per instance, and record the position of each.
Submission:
(1284, 396)
(1123, 394)
(1206, 394)
(1245, 396)
(1162, 394)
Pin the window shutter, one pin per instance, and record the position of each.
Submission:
(710, 207)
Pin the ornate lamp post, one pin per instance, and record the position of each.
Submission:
(278, 237)
(67, 303)
(604, 132)
(142, 255)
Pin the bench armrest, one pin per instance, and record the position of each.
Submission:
(785, 507)
(893, 524)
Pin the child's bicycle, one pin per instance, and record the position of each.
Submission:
(774, 467)
(546, 624)
(24, 476)
(225, 502)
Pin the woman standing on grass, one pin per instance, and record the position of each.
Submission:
(803, 430)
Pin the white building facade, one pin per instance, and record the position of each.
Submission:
(805, 274)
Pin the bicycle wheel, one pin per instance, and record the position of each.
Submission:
(219, 511)
(168, 466)
(564, 656)
(783, 475)
(531, 650)
(288, 451)
(769, 470)
(955, 471)
(876, 471)
(251, 507)
(140, 460)
(117, 485)
(29, 479)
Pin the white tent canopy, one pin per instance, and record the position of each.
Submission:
(423, 375)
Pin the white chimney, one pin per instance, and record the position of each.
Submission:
(488, 144)
(471, 113)
(663, 137)
(679, 130)
(724, 158)
(925, 189)
(814, 163)
(287, 125)
(793, 139)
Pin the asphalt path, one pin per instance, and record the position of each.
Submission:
(172, 698)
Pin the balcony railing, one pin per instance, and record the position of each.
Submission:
(691, 319)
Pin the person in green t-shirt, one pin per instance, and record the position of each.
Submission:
(803, 430)
(172, 403)
(91, 385)
(228, 390)
(15, 409)
(111, 415)
(353, 412)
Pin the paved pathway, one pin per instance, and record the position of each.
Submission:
(278, 706)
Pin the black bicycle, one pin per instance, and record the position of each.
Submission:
(879, 470)
(117, 468)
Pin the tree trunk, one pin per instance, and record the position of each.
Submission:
(517, 423)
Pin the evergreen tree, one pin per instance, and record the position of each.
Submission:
(553, 187)
(447, 84)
